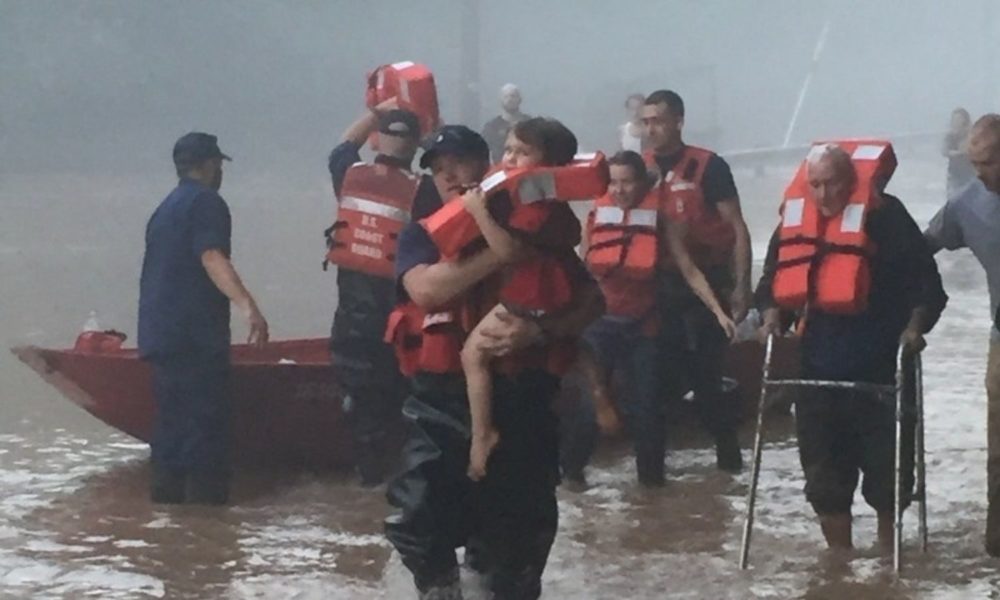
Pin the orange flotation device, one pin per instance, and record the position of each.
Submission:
(825, 262)
(452, 228)
(374, 206)
(413, 86)
(709, 238)
(623, 241)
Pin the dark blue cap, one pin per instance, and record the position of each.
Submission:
(194, 148)
(456, 140)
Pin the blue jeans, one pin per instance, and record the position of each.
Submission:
(620, 348)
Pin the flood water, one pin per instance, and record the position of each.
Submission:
(75, 521)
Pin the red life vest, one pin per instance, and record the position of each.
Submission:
(824, 262)
(413, 86)
(452, 228)
(429, 342)
(709, 239)
(374, 206)
(623, 241)
(432, 343)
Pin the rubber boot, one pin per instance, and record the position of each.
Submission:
(209, 488)
(167, 486)
(728, 456)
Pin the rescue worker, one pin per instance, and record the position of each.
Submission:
(878, 289)
(620, 248)
(185, 289)
(700, 195)
(512, 511)
(971, 219)
(495, 130)
(374, 202)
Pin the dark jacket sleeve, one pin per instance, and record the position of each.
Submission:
(341, 159)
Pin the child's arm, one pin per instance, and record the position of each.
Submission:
(500, 241)
(674, 233)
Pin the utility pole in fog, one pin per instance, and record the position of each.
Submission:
(469, 64)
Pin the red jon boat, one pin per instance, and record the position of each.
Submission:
(287, 407)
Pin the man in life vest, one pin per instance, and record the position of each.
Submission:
(971, 219)
(512, 513)
(699, 195)
(374, 201)
(621, 250)
(850, 260)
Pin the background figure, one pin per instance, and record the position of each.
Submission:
(495, 131)
(630, 135)
(955, 148)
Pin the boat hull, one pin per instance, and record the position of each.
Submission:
(286, 405)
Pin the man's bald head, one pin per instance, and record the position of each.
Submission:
(831, 177)
(510, 98)
(984, 150)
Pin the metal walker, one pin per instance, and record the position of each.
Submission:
(920, 488)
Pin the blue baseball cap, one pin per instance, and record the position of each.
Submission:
(456, 140)
(196, 147)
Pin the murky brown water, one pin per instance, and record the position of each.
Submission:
(75, 522)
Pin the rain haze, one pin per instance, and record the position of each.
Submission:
(94, 94)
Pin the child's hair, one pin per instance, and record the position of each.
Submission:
(632, 160)
(555, 140)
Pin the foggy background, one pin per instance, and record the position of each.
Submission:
(109, 85)
(94, 94)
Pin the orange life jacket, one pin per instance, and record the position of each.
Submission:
(413, 86)
(824, 262)
(452, 228)
(709, 239)
(432, 343)
(623, 241)
(374, 206)
(429, 342)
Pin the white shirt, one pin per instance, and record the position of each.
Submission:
(630, 137)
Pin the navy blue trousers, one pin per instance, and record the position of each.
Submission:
(191, 428)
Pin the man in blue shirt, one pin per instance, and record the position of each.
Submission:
(186, 286)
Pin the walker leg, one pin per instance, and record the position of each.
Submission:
(758, 449)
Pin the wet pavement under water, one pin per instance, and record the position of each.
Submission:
(75, 521)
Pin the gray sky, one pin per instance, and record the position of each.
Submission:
(110, 84)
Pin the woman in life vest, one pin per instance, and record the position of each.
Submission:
(621, 247)
(534, 288)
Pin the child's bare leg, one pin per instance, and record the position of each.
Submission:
(476, 365)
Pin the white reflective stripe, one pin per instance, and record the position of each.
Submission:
(431, 319)
(404, 91)
(868, 152)
(792, 213)
(643, 217)
(493, 180)
(585, 157)
(852, 218)
(406, 64)
(374, 208)
(609, 215)
(681, 186)
(537, 186)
